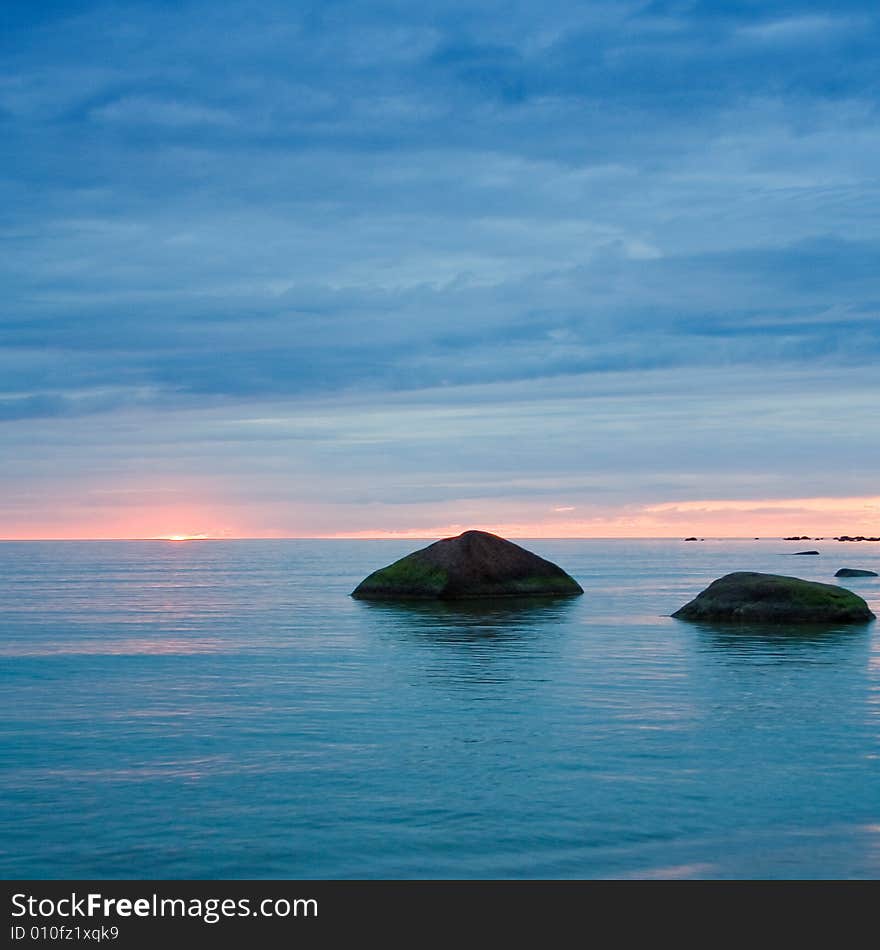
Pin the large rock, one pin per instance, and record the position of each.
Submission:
(475, 564)
(854, 572)
(770, 598)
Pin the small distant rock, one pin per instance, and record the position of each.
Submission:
(747, 596)
(860, 537)
(474, 564)
(855, 572)
(691, 539)
(800, 553)
(802, 537)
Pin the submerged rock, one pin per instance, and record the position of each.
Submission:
(854, 572)
(771, 598)
(474, 564)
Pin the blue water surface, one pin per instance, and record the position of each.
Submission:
(225, 710)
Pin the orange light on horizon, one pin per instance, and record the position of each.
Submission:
(763, 517)
(184, 537)
(512, 518)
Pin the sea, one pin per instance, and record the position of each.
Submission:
(225, 710)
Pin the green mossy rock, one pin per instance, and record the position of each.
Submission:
(475, 564)
(770, 598)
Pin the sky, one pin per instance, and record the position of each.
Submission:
(291, 269)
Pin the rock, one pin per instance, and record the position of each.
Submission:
(802, 537)
(690, 539)
(769, 598)
(860, 537)
(854, 572)
(798, 553)
(475, 564)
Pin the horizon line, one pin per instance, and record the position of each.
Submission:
(431, 537)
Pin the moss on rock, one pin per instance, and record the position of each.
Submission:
(772, 598)
(409, 577)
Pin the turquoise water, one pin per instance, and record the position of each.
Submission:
(225, 710)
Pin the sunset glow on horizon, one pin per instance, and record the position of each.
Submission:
(185, 537)
(722, 518)
(728, 518)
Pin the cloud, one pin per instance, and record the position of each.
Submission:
(145, 110)
(798, 29)
(612, 217)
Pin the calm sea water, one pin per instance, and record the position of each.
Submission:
(226, 710)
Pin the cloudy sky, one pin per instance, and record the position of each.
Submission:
(599, 268)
